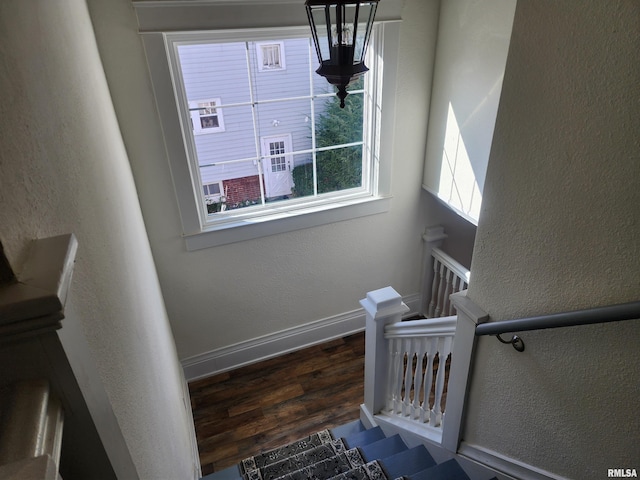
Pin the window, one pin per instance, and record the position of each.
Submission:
(283, 158)
(205, 117)
(271, 56)
(212, 189)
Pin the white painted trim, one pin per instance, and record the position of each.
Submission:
(186, 3)
(189, 15)
(286, 221)
(466, 216)
(367, 418)
(35, 302)
(279, 343)
(186, 399)
(506, 465)
(469, 315)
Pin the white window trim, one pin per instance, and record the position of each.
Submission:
(350, 205)
(194, 110)
(260, 57)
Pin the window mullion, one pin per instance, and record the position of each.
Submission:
(256, 137)
(313, 124)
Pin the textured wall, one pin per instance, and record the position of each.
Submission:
(220, 296)
(560, 230)
(64, 169)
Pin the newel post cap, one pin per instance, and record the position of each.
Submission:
(383, 303)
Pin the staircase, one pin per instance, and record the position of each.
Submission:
(347, 452)
(407, 380)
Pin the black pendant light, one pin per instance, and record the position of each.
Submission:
(341, 31)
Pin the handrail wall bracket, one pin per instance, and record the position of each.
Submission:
(516, 342)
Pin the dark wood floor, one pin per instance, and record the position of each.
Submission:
(262, 406)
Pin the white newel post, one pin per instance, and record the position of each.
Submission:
(432, 238)
(469, 315)
(382, 307)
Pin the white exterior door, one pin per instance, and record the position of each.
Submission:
(277, 165)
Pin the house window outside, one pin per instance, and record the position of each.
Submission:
(271, 56)
(212, 189)
(205, 116)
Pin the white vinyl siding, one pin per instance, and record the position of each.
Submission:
(231, 84)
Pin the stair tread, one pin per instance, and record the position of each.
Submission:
(448, 470)
(275, 455)
(368, 471)
(327, 468)
(365, 437)
(383, 448)
(300, 460)
(348, 429)
(230, 473)
(408, 462)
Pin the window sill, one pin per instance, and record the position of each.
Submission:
(282, 222)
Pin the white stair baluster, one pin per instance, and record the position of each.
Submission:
(428, 380)
(448, 290)
(408, 375)
(434, 288)
(443, 352)
(397, 378)
(392, 356)
(441, 286)
(457, 286)
(417, 376)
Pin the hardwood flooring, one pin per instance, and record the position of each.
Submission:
(268, 404)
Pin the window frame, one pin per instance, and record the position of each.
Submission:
(279, 218)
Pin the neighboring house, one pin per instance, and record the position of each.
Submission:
(238, 147)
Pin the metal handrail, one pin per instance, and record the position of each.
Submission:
(611, 313)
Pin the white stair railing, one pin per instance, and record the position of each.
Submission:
(408, 375)
(417, 357)
(442, 276)
(449, 277)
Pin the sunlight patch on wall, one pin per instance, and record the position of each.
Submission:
(458, 185)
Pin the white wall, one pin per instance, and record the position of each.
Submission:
(559, 230)
(64, 169)
(234, 293)
(473, 40)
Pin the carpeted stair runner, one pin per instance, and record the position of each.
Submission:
(349, 452)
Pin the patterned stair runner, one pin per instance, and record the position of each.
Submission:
(258, 462)
(347, 453)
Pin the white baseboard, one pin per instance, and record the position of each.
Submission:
(278, 343)
(506, 465)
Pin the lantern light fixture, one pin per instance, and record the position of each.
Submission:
(341, 30)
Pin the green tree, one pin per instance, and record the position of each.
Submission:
(337, 169)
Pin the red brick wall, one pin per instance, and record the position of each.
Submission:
(241, 189)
